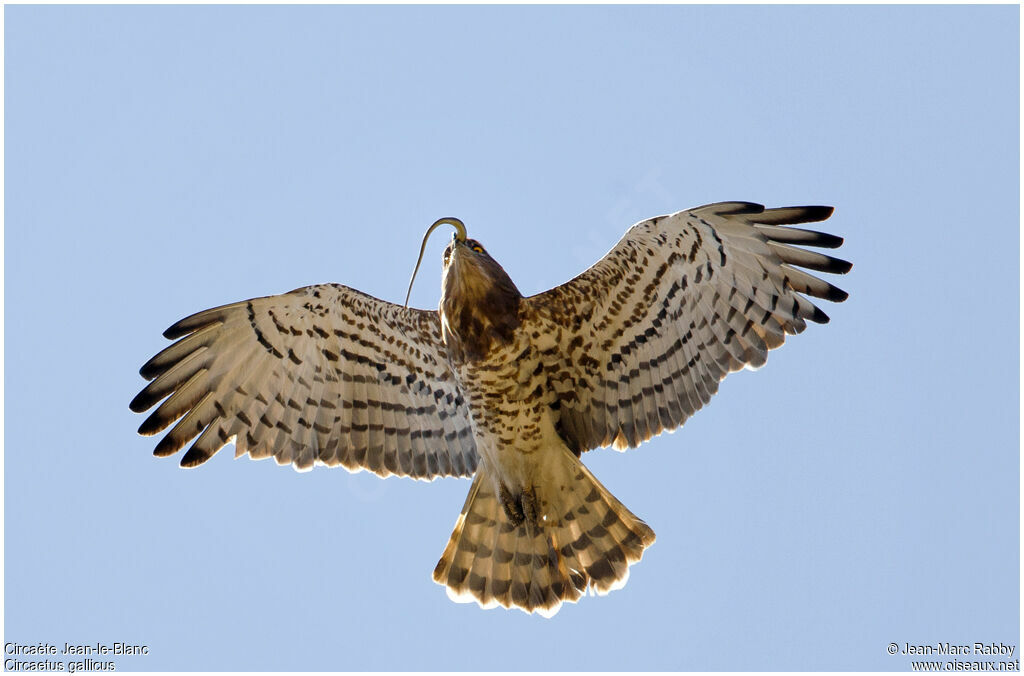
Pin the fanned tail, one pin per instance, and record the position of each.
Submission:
(578, 537)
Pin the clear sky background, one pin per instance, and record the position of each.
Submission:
(861, 489)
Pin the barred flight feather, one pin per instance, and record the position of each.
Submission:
(732, 269)
(321, 375)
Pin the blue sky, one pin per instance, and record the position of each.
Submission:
(861, 489)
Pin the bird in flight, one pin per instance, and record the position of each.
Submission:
(505, 389)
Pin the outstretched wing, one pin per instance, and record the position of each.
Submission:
(323, 374)
(640, 341)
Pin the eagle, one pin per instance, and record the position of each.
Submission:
(505, 389)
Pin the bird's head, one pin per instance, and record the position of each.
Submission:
(479, 302)
(468, 273)
(471, 274)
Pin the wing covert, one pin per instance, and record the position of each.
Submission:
(321, 375)
(641, 340)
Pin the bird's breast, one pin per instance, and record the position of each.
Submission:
(507, 396)
(475, 328)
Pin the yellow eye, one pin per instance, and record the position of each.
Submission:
(477, 248)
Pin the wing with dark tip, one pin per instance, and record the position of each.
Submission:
(322, 375)
(640, 341)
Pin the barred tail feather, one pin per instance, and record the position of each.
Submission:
(539, 564)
